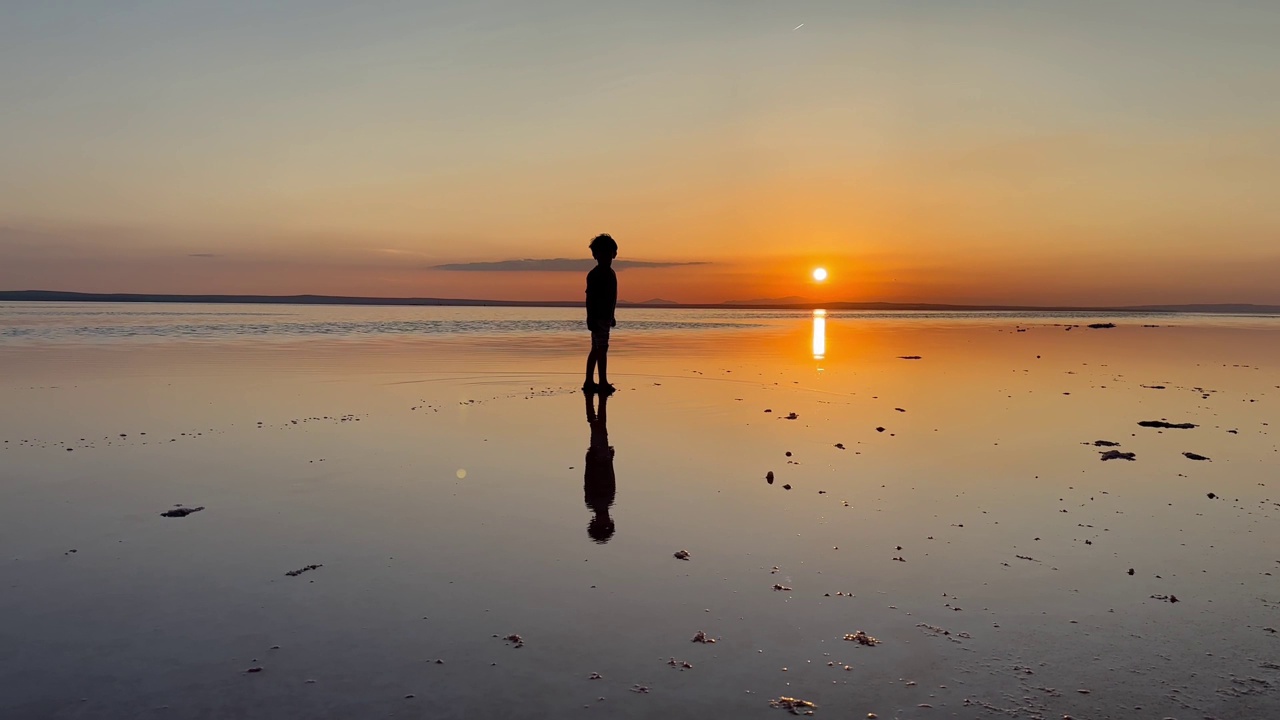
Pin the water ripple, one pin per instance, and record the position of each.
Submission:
(330, 329)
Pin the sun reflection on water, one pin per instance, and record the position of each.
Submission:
(819, 334)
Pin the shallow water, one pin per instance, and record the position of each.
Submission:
(432, 461)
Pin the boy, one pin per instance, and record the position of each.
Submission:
(602, 299)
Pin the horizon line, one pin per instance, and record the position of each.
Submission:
(654, 303)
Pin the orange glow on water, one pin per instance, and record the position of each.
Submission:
(819, 334)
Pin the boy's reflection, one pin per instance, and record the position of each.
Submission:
(598, 485)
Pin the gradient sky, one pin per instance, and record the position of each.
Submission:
(1090, 151)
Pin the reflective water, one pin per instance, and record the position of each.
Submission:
(454, 486)
(160, 323)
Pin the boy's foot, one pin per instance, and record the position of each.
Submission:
(605, 389)
(588, 387)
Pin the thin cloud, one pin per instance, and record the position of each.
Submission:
(204, 255)
(552, 265)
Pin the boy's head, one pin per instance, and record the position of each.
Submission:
(604, 248)
(600, 528)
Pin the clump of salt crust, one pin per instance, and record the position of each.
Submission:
(795, 706)
(862, 638)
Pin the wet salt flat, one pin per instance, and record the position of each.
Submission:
(391, 494)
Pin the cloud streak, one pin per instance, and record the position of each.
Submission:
(552, 265)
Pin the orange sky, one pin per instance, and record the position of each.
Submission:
(1064, 154)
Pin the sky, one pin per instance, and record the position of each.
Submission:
(984, 151)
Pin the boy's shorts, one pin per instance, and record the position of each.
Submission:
(600, 338)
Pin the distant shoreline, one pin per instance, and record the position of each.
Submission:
(61, 296)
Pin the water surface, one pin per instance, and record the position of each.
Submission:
(434, 461)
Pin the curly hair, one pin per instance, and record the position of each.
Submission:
(604, 241)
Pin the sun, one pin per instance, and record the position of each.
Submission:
(820, 274)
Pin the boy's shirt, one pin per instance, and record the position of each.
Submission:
(602, 295)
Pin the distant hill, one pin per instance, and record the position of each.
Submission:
(1225, 308)
(60, 296)
(793, 300)
(787, 303)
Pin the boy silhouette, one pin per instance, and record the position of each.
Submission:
(599, 488)
(602, 300)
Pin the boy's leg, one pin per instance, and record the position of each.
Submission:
(591, 367)
(601, 345)
(592, 358)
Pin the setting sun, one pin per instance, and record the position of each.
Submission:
(820, 274)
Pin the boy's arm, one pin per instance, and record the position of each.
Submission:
(593, 299)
